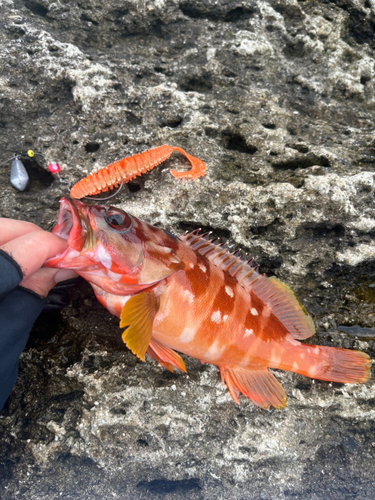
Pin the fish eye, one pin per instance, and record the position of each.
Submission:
(117, 219)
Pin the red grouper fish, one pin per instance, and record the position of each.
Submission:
(192, 295)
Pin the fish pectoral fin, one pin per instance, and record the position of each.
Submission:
(138, 315)
(258, 385)
(165, 356)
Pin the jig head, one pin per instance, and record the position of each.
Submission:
(19, 178)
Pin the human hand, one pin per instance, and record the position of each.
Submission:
(30, 247)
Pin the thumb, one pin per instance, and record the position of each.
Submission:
(63, 275)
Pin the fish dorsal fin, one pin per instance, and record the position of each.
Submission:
(138, 315)
(278, 297)
(165, 356)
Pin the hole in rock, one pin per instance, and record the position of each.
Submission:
(210, 132)
(132, 118)
(36, 8)
(92, 147)
(133, 187)
(172, 123)
(86, 18)
(302, 162)
(167, 486)
(320, 230)
(270, 126)
(361, 28)
(294, 49)
(268, 266)
(40, 178)
(365, 79)
(199, 84)
(237, 14)
(142, 443)
(117, 411)
(236, 142)
(228, 73)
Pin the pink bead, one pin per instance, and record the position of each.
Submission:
(54, 167)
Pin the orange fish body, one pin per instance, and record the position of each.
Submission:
(193, 296)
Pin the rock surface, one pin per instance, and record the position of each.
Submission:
(278, 98)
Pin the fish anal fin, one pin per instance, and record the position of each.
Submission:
(225, 377)
(260, 386)
(166, 356)
(138, 315)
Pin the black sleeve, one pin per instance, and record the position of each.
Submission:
(19, 308)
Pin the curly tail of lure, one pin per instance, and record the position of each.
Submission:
(127, 169)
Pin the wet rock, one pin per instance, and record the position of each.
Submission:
(277, 97)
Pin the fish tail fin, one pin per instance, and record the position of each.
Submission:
(332, 364)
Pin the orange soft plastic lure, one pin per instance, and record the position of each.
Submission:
(128, 168)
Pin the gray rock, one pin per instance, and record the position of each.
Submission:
(278, 98)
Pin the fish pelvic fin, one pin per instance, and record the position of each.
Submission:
(260, 386)
(138, 315)
(165, 356)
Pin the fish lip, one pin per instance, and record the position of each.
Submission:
(65, 222)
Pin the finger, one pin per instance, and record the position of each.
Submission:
(45, 278)
(31, 250)
(41, 281)
(11, 229)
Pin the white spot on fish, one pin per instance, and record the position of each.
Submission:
(188, 296)
(248, 332)
(187, 335)
(266, 313)
(316, 350)
(113, 276)
(216, 317)
(214, 351)
(229, 291)
(191, 265)
(225, 317)
(202, 267)
(295, 366)
(253, 311)
(275, 359)
(103, 256)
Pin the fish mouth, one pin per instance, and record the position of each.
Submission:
(71, 223)
(72, 226)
